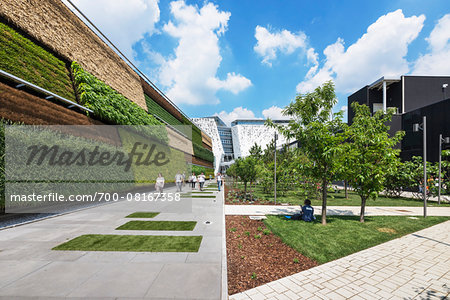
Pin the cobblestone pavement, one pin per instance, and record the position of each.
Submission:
(416, 266)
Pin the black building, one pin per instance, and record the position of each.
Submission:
(412, 97)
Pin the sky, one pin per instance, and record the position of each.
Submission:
(249, 59)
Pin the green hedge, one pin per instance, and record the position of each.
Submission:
(24, 59)
(203, 153)
(109, 105)
(206, 171)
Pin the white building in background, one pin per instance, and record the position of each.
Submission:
(210, 126)
(246, 133)
(235, 141)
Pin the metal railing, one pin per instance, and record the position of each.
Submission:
(21, 83)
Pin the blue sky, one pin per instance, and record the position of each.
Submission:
(242, 59)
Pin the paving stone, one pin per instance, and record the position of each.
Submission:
(291, 295)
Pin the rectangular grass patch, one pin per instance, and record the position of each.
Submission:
(158, 225)
(143, 214)
(133, 243)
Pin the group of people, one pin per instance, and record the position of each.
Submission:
(180, 181)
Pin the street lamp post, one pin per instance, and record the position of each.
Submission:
(444, 88)
(416, 128)
(275, 172)
(445, 141)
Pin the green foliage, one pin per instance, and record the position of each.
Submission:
(445, 172)
(400, 177)
(197, 170)
(246, 170)
(320, 137)
(196, 132)
(369, 155)
(256, 151)
(203, 153)
(23, 58)
(109, 105)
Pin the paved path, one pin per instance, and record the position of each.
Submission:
(416, 266)
(29, 268)
(260, 210)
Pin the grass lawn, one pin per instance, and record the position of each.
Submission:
(143, 214)
(344, 235)
(134, 243)
(338, 199)
(158, 225)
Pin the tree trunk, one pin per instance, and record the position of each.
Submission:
(245, 188)
(324, 202)
(345, 188)
(363, 208)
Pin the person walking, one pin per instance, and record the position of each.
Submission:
(179, 181)
(201, 181)
(219, 181)
(193, 180)
(159, 185)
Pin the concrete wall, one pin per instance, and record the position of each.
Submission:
(53, 24)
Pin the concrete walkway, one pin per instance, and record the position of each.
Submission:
(260, 210)
(416, 266)
(29, 268)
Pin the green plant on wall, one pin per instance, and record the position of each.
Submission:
(23, 58)
(203, 153)
(109, 105)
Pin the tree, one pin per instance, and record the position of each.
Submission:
(246, 170)
(369, 153)
(319, 133)
(400, 177)
(256, 151)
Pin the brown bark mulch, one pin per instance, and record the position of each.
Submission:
(231, 201)
(256, 256)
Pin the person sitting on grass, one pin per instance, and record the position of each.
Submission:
(308, 211)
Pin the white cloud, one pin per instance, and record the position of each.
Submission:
(124, 22)
(437, 61)
(286, 42)
(190, 74)
(379, 52)
(344, 108)
(274, 113)
(237, 113)
(234, 83)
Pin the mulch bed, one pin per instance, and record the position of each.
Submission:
(254, 261)
(245, 202)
